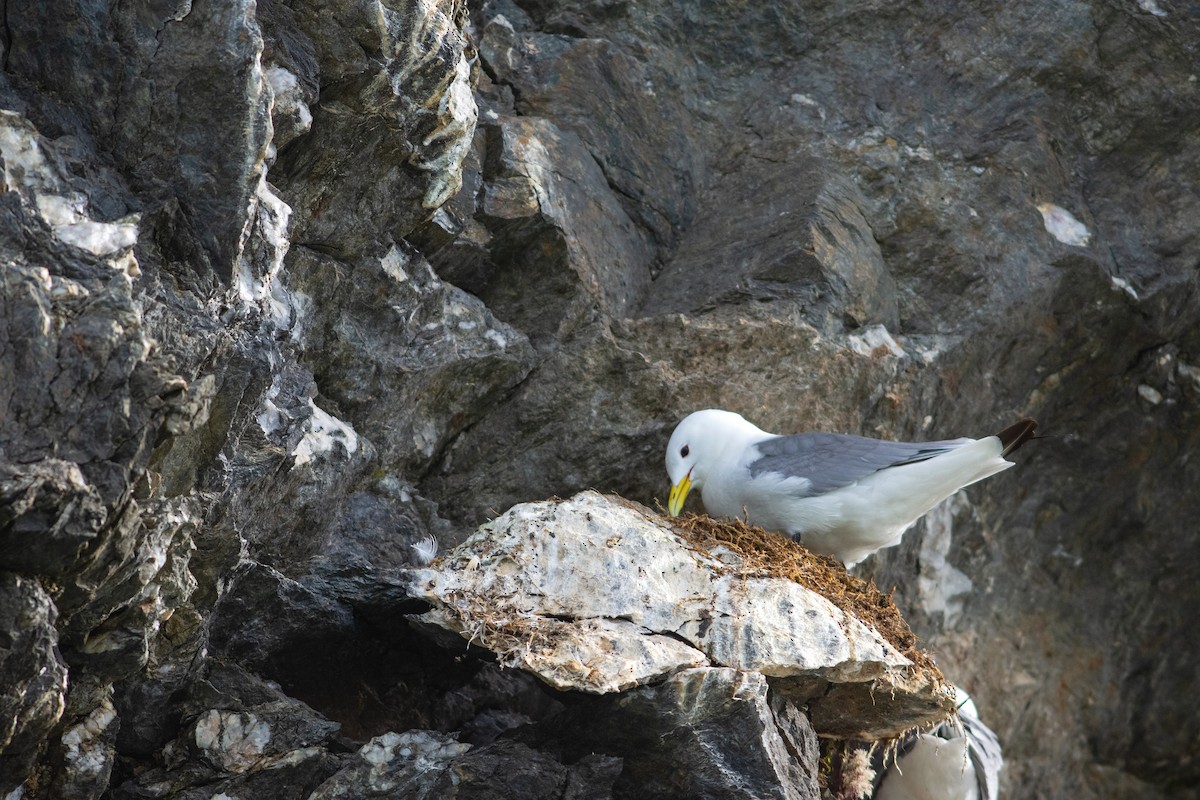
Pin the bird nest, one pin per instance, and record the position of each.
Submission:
(766, 554)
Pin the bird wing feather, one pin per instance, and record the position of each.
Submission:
(986, 756)
(832, 460)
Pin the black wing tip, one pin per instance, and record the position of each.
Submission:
(1016, 435)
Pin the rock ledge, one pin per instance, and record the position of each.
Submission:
(599, 595)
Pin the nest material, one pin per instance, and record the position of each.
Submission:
(767, 554)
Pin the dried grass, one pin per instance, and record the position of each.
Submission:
(767, 554)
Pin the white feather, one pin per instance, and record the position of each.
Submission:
(714, 449)
(934, 769)
(855, 521)
(425, 550)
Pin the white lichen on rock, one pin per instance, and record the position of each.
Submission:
(425, 36)
(1062, 225)
(325, 433)
(232, 740)
(27, 170)
(270, 417)
(940, 583)
(392, 765)
(1149, 394)
(1124, 286)
(290, 114)
(875, 341)
(257, 276)
(1189, 374)
(82, 743)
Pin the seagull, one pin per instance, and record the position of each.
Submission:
(959, 760)
(843, 496)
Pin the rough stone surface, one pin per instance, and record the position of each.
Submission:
(221, 407)
(238, 734)
(392, 330)
(150, 85)
(34, 677)
(393, 124)
(594, 595)
(707, 732)
(421, 764)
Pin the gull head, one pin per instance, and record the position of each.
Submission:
(698, 444)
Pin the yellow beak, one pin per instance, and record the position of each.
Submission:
(679, 493)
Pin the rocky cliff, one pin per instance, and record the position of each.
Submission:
(289, 286)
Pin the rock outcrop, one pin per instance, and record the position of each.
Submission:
(289, 287)
(594, 595)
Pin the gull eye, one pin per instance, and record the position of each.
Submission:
(684, 452)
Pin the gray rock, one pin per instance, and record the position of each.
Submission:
(603, 90)
(593, 595)
(511, 769)
(295, 775)
(708, 732)
(85, 752)
(389, 328)
(110, 516)
(49, 517)
(610, 396)
(189, 127)
(394, 765)
(74, 450)
(800, 235)
(264, 612)
(549, 221)
(342, 623)
(994, 313)
(239, 734)
(393, 125)
(34, 677)
(423, 764)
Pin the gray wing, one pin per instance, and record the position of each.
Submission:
(984, 750)
(833, 460)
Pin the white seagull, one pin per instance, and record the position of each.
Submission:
(960, 760)
(844, 496)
